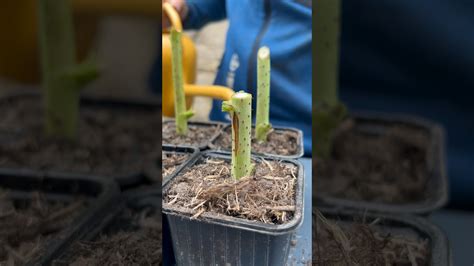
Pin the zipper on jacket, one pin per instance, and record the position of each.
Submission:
(256, 45)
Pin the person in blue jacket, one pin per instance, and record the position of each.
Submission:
(416, 57)
(285, 26)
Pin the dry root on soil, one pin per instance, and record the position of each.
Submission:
(267, 196)
(23, 231)
(139, 247)
(364, 244)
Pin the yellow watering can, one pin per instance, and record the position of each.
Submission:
(18, 31)
(189, 69)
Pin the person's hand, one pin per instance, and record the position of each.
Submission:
(180, 6)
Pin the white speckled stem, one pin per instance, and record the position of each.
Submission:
(262, 124)
(240, 109)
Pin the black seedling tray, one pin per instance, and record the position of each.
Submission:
(202, 146)
(100, 194)
(154, 171)
(124, 179)
(299, 140)
(406, 225)
(112, 222)
(220, 240)
(436, 192)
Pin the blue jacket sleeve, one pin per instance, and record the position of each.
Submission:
(204, 11)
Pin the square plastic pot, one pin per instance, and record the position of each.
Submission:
(154, 172)
(111, 222)
(201, 146)
(227, 130)
(100, 194)
(127, 179)
(403, 225)
(222, 240)
(435, 195)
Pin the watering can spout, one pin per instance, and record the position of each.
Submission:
(216, 92)
(189, 69)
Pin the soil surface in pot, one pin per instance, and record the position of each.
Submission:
(386, 168)
(137, 244)
(27, 225)
(171, 161)
(111, 142)
(359, 243)
(267, 196)
(198, 135)
(280, 142)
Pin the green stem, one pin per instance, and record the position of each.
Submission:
(240, 109)
(182, 116)
(262, 125)
(326, 48)
(58, 53)
(62, 79)
(328, 111)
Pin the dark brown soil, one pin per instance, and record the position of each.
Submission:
(267, 196)
(26, 226)
(279, 142)
(357, 243)
(171, 161)
(110, 142)
(140, 245)
(387, 168)
(197, 135)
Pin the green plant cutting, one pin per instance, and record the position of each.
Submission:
(240, 109)
(328, 111)
(181, 114)
(262, 124)
(62, 77)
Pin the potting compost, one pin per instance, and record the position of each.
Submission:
(363, 243)
(171, 161)
(279, 142)
(26, 225)
(387, 168)
(110, 141)
(198, 135)
(133, 239)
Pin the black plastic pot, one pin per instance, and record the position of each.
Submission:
(154, 172)
(100, 194)
(200, 146)
(221, 240)
(112, 222)
(129, 179)
(299, 154)
(404, 225)
(436, 192)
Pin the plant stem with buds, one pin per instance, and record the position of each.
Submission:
(328, 112)
(182, 116)
(62, 77)
(262, 125)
